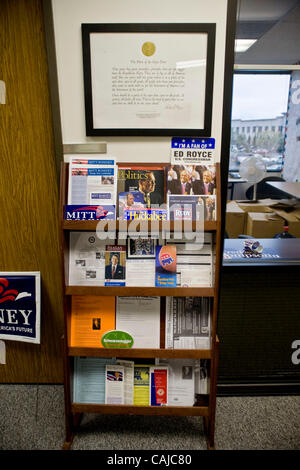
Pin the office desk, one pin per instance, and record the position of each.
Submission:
(232, 182)
(259, 319)
(276, 252)
(287, 187)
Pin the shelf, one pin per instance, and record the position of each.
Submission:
(141, 353)
(141, 291)
(141, 410)
(91, 225)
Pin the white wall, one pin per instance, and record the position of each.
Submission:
(68, 16)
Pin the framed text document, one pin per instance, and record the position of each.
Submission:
(148, 79)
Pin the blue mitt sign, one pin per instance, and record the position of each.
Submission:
(20, 306)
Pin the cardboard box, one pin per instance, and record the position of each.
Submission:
(263, 225)
(235, 220)
(292, 219)
(262, 205)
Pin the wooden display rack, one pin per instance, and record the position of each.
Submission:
(206, 404)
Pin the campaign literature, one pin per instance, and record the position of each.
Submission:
(191, 180)
(159, 386)
(129, 202)
(115, 259)
(114, 384)
(89, 379)
(140, 317)
(181, 381)
(141, 384)
(188, 323)
(165, 266)
(147, 180)
(20, 312)
(194, 262)
(196, 207)
(92, 181)
(91, 317)
(86, 259)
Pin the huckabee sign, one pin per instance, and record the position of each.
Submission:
(20, 306)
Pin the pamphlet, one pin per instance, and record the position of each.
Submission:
(128, 380)
(89, 379)
(165, 266)
(196, 207)
(129, 201)
(134, 268)
(91, 317)
(188, 323)
(194, 262)
(140, 317)
(86, 259)
(92, 181)
(141, 385)
(148, 180)
(115, 260)
(159, 386)
(114, 384)
(191, 179)
(181, 381)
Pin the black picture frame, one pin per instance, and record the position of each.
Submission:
(179, 28)
(131, 245)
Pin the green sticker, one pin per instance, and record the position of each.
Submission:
(117, 339)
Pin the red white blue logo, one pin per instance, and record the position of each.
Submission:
(20, 307)
(91, 212)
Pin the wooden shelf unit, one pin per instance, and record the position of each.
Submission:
(206, 404)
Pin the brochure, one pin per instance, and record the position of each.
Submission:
(191, 179)
(114, 384)
(86, 259)
(159, 386)
(181, 381)
(91, 317)
(115, 261)
(141, 385)
(165, 266)
(92, 181)
(89, 379)
(187, 323)
(148, 180)
(194, 262)
(129, 201)
(197, 207)
(128, 380)
(140, 317)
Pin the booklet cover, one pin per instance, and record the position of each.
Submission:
(148, 180)
(92, 182)
(114, 384)
(141, 385)
(159, 386)
(91, 317)
(191, 179)
(165, 266)
(130, 202)
(115, 260)
(196, 207)
(89, 379)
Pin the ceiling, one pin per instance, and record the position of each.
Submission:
(276, 26)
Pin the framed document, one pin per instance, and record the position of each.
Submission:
(148, 79)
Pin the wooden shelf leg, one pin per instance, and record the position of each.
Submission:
(209, 421)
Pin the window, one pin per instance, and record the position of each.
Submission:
(260, 106)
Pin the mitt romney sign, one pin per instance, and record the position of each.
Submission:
(20, 306)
